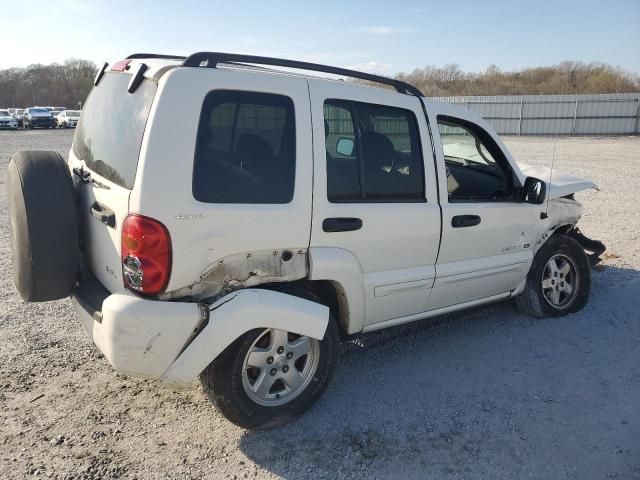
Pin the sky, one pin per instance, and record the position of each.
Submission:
(373, 36)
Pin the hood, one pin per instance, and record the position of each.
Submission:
(562, 184)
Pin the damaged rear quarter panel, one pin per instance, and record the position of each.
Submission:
(247, 269)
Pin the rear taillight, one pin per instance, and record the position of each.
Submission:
(146, 254)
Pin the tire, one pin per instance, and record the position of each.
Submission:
(546, 292)
(43, 226)
(223, 381)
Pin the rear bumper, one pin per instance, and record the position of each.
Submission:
(139, 337)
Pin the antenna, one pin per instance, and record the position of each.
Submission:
(553, 157)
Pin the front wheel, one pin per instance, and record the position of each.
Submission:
(269, 377)
(559, 280)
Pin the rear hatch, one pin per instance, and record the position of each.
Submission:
(104, 155)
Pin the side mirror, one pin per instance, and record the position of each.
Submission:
(345, 147)
(535, 191)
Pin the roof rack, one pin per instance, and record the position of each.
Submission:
(154, 55)
(211, 60)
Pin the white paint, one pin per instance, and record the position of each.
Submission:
(434, 313)
(342, 268)
(238, 313)
(398, 242)
(141, 337)
(561, 184)
(163, 186)
(391, 271)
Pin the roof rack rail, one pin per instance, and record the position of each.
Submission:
(211, 60)
(154, 55)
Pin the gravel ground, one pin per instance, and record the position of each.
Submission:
(484, 394)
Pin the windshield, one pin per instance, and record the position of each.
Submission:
(20, 111)
(109, 133)
(38, 110)
(72, 113)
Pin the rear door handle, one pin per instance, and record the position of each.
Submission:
(341, 224)
(460, 221)
(103, 214)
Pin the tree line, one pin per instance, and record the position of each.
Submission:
(564, 78)
(69, 83)
(65, 85)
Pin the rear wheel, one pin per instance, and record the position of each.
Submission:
(559, 280)
(269, 377)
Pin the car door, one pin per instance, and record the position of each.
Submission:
(487, 231)
(374, 194)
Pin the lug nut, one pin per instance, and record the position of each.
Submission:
(270, 360)
(289, 355)
(562, 284)
(280, 349)
(285, 369)
(553, 282)
(555, 274)
(273, 371)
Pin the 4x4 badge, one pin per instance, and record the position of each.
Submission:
(190, 216)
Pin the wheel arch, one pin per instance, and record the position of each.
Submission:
(340, 274)
(236, 314)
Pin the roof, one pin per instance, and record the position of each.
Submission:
(162, 62)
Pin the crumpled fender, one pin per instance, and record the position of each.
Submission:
(236, 314)
(561, 184)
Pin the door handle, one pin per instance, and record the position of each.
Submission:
(460, 221)
(103, 214)
(341, 224)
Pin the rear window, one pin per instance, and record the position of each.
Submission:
(109, 134)
(245, 151)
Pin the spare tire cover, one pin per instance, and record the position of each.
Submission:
(43, 226)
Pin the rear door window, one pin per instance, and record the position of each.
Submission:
(373, 153)
(109, 134)
(245, 150)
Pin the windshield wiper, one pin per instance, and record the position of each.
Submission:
(85, 177)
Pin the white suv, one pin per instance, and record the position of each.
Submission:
(223, 220)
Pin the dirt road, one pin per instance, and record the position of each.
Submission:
(484, 394)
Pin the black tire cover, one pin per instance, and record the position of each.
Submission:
(43, 226)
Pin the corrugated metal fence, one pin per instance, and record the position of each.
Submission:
(607, 114)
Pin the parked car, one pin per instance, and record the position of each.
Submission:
(19, 114)
(67, 119)
(38, 117)
(311, 208)
(7, 120)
